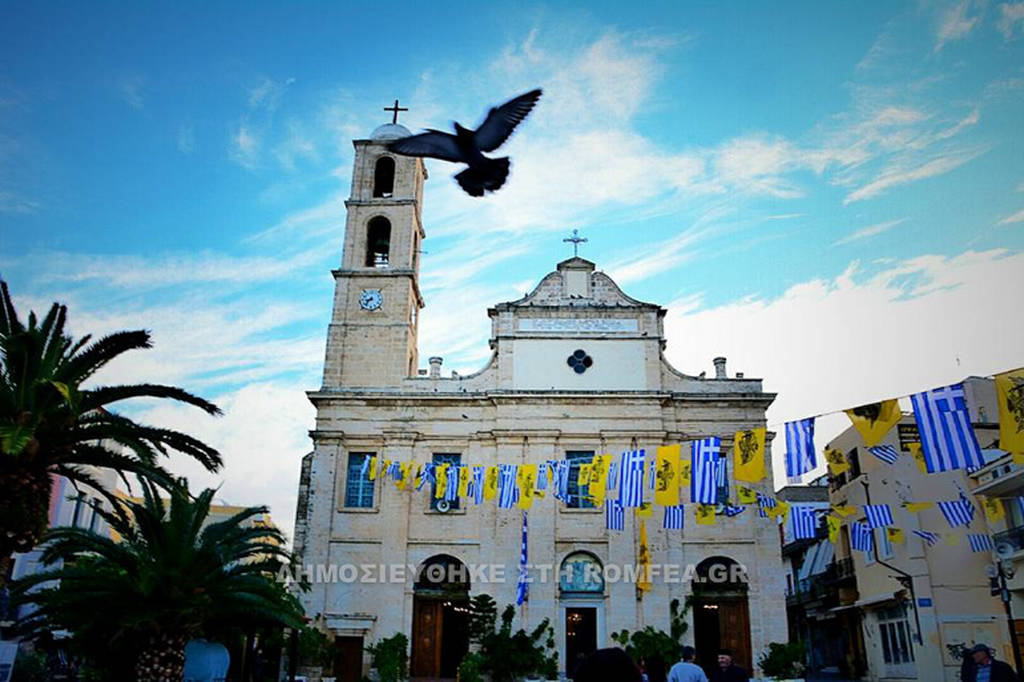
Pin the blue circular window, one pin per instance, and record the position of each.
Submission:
(579, 361)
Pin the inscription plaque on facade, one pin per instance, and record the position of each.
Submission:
(571, 324)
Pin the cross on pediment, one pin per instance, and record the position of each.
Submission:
(576, 240)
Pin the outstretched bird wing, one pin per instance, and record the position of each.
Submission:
(432, 143)
(501, 121)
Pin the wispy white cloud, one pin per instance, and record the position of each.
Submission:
(1011, 17)
(902, 172)
(869, 231)
(936, 315)
(1017, 217)
(955, 24)
(13, 203)
(245, 145)
(131, 89)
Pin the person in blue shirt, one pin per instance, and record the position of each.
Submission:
(686, 670)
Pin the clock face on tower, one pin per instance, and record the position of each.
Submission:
(370, 299)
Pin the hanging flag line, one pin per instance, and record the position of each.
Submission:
(775, 425)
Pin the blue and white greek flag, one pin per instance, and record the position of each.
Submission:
(979, 542)
(704, 470)
(731, 511)
(451, 490)
(886, 453)
(804, 522)
(394, 471)
(613, 476)
(956, 512)
(542, 476)
(764, 502)
(522, 586)
(948, 440)
(427, 476)
(560, 480)
(673, 517)
(929, 537)
(478, 484)
(861, 536)
(507, 488)
(365, 468)
(800, 456)
(968, 505)
(879, 515)
(614, 515)
(631, 488)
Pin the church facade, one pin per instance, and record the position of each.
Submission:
(577, 369)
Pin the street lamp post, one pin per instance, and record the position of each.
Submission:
(998, 574)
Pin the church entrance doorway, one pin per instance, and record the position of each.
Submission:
(580, 633)
(440, 618)
(721, 613)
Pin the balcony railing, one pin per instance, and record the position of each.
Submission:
(818, 586)
(844, 569)
(1013, 537)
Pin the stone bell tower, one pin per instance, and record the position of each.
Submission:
(371, 341)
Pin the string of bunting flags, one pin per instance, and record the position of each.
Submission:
(947, 441)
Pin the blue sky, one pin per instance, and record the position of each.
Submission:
(830, 194)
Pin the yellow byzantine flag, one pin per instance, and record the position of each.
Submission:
(666, 475)
(491, 483)
(1010, 394)
(745, 495)
(685, 467)
(599, 479)
(643, 583)
(419, 477)
(780, 510)
(645, 511)
(372, 469)
(833, 528)
(918, 453)
(705, 514)
(875, 420)
(994, 510)
(837, 463)
(465, 475)
(404, 480)
(526, 479)
(844, 510)
(918, 506)
(584, 475)
(748, 455)
(895, 535)
(442, 481)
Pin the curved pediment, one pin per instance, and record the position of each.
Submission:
(576, 283)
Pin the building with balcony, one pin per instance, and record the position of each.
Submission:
(1003, 479)
(918, 606)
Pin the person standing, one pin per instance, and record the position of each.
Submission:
(728, 671)
(986, 668)
(686, 670)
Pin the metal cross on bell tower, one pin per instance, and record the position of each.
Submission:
(395, 109)
(576, 240)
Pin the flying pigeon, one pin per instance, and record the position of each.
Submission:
(466, 146)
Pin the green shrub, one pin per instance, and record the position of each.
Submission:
(505, 655)
(391, 657)
(783, 661)
(649, 643)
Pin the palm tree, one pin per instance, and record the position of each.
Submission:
(171, 577)
(51, 425)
